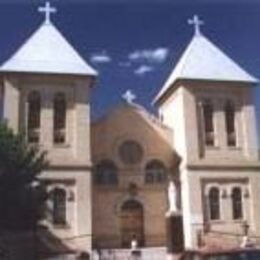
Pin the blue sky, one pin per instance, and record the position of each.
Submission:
(135, 44)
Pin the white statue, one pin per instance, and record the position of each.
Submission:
(134, 243)
(172, 198)
(246, 242)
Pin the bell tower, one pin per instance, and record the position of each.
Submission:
(46, 95)
(208, 102)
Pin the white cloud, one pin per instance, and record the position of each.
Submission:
(143, 69)
(102, 57)
(157, 55)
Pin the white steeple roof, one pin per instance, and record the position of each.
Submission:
(202, 60)
(47, 51)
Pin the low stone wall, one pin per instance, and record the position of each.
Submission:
(224, 240)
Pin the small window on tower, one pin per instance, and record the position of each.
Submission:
(214, 204)
(34, 117)
(59, 124)
(207, 108)
(230, 123)
(237, 205)
(59, 206)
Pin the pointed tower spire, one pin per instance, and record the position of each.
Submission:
(203, 60)
(47, 51)
(47, 10)
(196, 22)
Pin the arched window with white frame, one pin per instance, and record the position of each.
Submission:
(59, 120)
(214, 203)
(230, 123)
(59, 206)
(33, 117)
(237, 203)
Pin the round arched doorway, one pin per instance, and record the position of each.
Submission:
(132, 223)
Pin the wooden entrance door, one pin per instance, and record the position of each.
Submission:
(132, 223)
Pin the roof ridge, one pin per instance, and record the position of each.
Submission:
(187, 51)
(139, 108)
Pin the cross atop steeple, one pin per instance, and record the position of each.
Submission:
(129, 96)
(197, 23)
(48, 10)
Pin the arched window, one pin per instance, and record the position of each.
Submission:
(155, 172)
(33, 117)
(207, 109)
(106, 173)
(237, 207)
(230, 123)
(59, 122)
(59, 206)
(214, 204)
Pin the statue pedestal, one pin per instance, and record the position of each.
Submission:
(174, 233)
(136, 254)
(246, 243)
(173, 257)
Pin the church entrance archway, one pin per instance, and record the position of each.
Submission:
(132, 223)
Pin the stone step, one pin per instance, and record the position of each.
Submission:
(151, 253)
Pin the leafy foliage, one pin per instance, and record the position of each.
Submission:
(22, 194)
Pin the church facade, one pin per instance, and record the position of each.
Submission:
(108, 180)
(130, 177)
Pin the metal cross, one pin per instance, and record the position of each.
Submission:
(197, 23)
(129, 96)
(47, 9)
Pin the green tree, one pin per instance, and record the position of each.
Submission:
(22, 194)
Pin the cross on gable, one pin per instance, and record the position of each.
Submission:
(197, 23)
(129, 96)
(47, 9)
